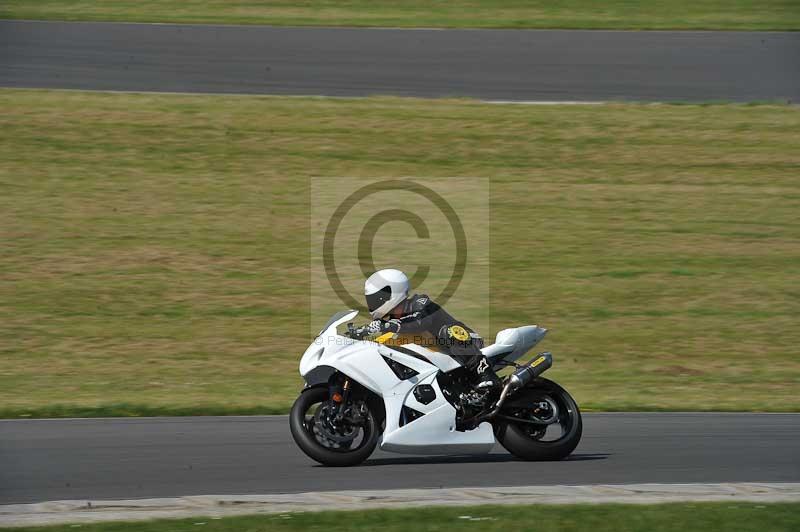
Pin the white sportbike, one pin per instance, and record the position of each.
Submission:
(410, 399)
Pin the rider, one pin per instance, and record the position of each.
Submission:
(393, 311)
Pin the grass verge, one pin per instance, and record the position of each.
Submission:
(730, 517)
(155, 248)
(582, 14)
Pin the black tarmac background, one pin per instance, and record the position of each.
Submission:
(161, 457)
(486, 64)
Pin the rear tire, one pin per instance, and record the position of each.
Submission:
(303, 434)
(516, 437)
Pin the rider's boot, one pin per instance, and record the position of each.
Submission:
(486, 388)
(487, 379)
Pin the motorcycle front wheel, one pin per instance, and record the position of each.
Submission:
(329, 443)
(541, 422)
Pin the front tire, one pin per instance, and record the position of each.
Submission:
(528, 441)
(316, 446)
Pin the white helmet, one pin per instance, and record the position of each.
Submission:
(385, 289)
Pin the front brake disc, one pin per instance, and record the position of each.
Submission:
(340, 434)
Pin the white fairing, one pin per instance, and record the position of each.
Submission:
(363, 361)
(511, 344)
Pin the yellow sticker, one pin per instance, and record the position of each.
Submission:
(458, 332)
(384, 338)
(538, 361)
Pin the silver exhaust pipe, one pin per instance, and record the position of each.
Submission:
(518, 380)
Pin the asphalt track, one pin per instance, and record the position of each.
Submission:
(98, 459)
(522, 65)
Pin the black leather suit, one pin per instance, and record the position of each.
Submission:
(427, 322)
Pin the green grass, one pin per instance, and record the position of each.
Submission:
(154, 251)
(581, 14)
(730, 517)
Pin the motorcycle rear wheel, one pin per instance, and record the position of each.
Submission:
(526, 441)
(316, 446)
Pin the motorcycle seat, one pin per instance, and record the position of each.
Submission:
(510, 344)
(496, 349)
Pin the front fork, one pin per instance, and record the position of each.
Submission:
(348, 402)
(343, 397)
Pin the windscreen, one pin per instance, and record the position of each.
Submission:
(333, 319)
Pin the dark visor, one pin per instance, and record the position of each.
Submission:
(378, 298)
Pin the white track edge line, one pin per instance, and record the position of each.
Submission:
(216, 506)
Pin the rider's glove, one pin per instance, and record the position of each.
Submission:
(392, 326)
(381, 327)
